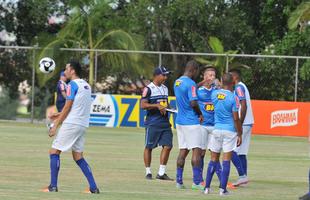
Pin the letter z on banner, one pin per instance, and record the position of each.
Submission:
(284, 118)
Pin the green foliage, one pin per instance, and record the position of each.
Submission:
(8, 107)
(300, 17)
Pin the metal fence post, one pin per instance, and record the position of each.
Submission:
(96, 68)
(32, 84)
(227, 63)
(159, 59)
(296, 79)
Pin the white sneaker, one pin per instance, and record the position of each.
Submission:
(224, 192)
(207, 191)
(241, 181)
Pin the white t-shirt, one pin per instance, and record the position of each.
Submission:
(79, 91)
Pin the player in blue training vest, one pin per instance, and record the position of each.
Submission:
(227, 131)
(61, 92)
(74, 119)
(207, 87)
(239, 157)
(188, 124)
(158, 129)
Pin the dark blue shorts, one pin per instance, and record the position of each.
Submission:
(158, 136)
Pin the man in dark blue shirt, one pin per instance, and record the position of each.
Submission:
(61, 92)
(158, 129)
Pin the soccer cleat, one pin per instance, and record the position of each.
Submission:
(50, 189)
(231, 186)
(207, 191)
(164, 177)
(90, 191)
(180, 186)
(197, 187)
(241, 181)
(223, 192)
(305, 197)
(148, 177)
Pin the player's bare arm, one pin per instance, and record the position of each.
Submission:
(195, 106)
(238, 127)
(62, 116)
(243, 110)
(148, 106)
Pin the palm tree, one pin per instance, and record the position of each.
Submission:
(300, 16)
(220, 61)
(83, 30)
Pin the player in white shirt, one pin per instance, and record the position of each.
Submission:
(74, 119)
(239, 157)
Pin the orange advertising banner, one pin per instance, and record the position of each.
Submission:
(281, 118)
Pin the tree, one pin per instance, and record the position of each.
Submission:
(86, 28)
(300, 17)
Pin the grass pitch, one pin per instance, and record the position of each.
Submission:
(278, 167)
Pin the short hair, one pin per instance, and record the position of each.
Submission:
(209, 68)
(236, 71)
(192, 64)
(227, 79)
(76, 66)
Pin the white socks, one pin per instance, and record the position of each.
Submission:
(148, 170)
(162, 170)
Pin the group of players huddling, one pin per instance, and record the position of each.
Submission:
(211, 115)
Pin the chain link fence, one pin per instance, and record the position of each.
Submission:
(26, 93)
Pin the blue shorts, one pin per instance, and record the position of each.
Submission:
(157, 136)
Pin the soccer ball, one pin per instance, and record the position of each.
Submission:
(47, 65)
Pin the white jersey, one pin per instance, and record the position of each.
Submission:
(80, 92)
(243, 94)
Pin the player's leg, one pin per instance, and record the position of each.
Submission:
(242, 152)
(183, 152)
(180, 167)
(165, 141)
(194, 138)
(204, 132)
(229, 143)
(81, 162)
(54, 170)
(215, 146)
(151, 140)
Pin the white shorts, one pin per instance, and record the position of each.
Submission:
(243, 149)
(223, 140)
(206, 135)
(70, 136)
(189, 136)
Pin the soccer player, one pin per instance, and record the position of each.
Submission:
(188, 124)
(158, 129)
(61, 92)
(227, 131)
(207, 108)
(239, 157)
(74, 119)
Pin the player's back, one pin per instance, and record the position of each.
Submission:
(80, 110)
(242, 92)
(205, 104)
(185, 92)
(225, 103)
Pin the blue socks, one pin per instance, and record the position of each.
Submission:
(201, 167)
(244, 163)
(218, 170)
(54, 166)
(236, 161)
(196, 175)
(210, 171)
(179, 176)
(87, 172)
(225, 174)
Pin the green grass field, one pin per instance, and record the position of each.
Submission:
(278, 167)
